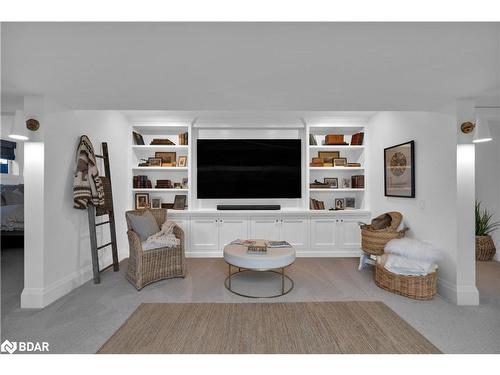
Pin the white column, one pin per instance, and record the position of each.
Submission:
(32, 295)
(467, 293)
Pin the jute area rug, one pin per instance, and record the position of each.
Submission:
(312, 327)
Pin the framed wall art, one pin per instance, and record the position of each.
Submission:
(399, 170)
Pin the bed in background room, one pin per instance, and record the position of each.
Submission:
(12, 210)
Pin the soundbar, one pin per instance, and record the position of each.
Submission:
(230, 207)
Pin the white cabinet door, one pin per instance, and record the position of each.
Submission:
(349, 234)
(295, 231)
(266, 228)
(232, 228)
(204, 234)
(323, 233)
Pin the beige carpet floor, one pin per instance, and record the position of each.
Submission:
(304, 327)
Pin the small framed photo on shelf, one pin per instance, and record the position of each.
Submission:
(138, 139)
(350, 203)
(166, 157)
(141, 201)
(333, 182)
(179, 202)
(154, 162)
(156, 203)
(184, 184)
(339, 203)
(340, 162)
(182, 161)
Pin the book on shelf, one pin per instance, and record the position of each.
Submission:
(161, 142)
(354, 164)
(358, 182)
(312, 140)
(357, 139)
(334, 139)
(141, 182)
(315, 204)
(183, 139)
(163, 184)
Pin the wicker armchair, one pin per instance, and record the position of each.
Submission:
(148, 266)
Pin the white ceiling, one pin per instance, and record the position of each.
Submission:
(250, 66)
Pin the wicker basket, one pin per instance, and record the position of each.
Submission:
(416, 287)
(374, 241)
(485, 248)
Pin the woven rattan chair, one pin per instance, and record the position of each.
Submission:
(148, 266)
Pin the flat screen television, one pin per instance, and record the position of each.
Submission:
(249, 168)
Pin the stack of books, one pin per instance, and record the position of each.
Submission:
(317, 162)
(141, 182)
(334, 139)
(183, 139)
(163, 184)
(161, 142)
(358, 182)
(257, 249)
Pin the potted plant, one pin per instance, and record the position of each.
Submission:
(485, 247)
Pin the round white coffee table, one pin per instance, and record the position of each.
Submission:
(274, 259)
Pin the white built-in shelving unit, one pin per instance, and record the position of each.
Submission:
(161, 129)
(312, 232)
(353, 153)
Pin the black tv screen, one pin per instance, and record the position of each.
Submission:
(249, 168)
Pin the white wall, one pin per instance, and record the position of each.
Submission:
(488, 177)
(66, 247)
(432, 215)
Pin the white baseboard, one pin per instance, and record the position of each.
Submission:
(461, 295)
(467, 296)
(447, 290)
(37, 298)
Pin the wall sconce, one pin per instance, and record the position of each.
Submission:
(467, 127)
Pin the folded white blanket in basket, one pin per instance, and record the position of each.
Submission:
(404, 266)
(412, 249)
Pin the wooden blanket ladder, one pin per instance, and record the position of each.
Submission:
(107, 209)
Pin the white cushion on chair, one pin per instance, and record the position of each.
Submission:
(154, 245)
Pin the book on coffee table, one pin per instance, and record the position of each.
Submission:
(278, 244)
